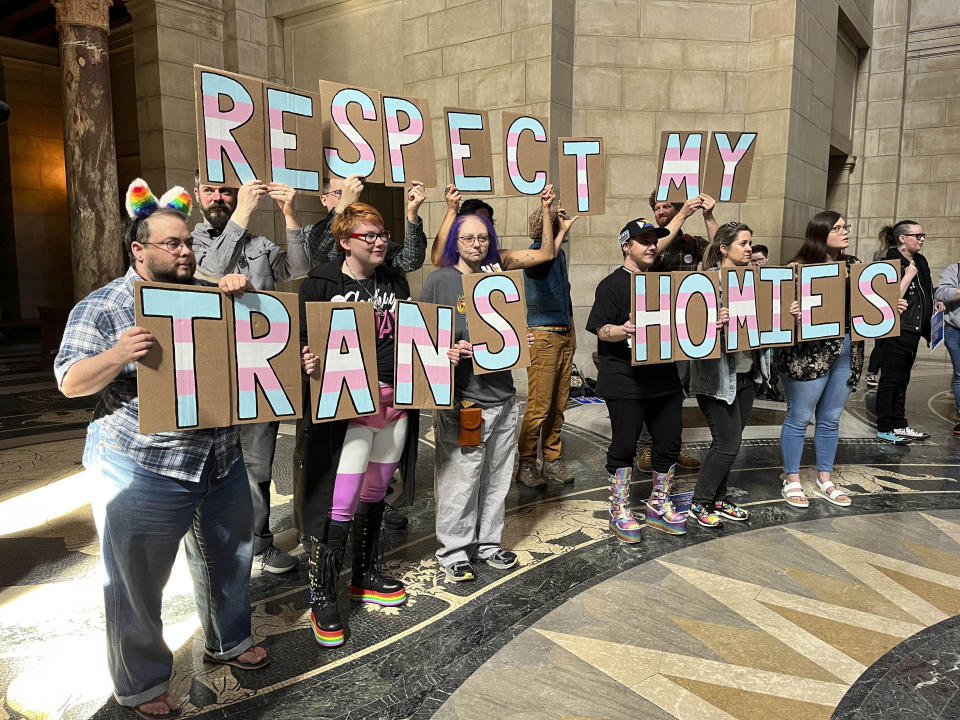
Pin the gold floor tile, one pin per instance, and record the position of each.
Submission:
(850, 594)
(934, 558)
(863, 645)
(945, 599)
(753, 706)
(752, 648)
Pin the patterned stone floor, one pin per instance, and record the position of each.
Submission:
(794, 614)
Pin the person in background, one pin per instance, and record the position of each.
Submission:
(948, 293)
(770, 389)
(898, 354)
(873, 365)
(550, 320)
(759, 255)
(456, 208)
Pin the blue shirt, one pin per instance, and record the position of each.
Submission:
(94, 326)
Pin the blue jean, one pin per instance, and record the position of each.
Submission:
(141, 517)
(951, 338)
(827, 396)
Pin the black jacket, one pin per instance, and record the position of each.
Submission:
(318, 445)
(919, 297)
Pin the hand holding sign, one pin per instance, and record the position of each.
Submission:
(133, 345)
(284, 196)
(415, 197)
(350, 191)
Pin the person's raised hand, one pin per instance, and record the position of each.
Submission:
(415, 197)
(707, 203)
(565, 222)
(691, 206)
(546, 198)
(351, 189)
(133, 344)
(452, 197)
(248, 196)
(284, 195)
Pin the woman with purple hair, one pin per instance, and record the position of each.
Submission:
(471, 481)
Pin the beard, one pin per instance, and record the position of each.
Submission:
(217, 214)
(173, 272)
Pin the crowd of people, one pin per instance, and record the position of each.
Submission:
(211, 487)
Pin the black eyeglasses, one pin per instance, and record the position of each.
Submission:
(335, 193)
(918, 236)
(172, 246)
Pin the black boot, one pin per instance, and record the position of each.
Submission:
(326, 561)
(368, 583)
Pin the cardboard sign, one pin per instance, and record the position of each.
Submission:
(423, 374)
(729, 163)
(681, 165)
(343, 338)
(822, 296)
(231, 127)
(469, 150)
(696, 302)
(352, 132)
(873, 310)
(408, 142)
(496, 311)
(294, 137)
(582, 172)
(265, 357)
(526, 153)
(758, 302)
(651, 310)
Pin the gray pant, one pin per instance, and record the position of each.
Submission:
(258, 442)
(471, 483)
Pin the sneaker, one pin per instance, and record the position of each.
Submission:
(502, 559)
(393, 519)
(909, 433)
(274, 560)
(557, 471)
(527, 474)
(956, 429)
(730, 511)
(892, 437)
(644, 458)
(460, 571)
(687, 461)
(873, 380)
(704, 516)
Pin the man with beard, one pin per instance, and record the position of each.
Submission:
(150, 491)
(224, 245)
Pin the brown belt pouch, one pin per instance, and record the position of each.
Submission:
(471, 426)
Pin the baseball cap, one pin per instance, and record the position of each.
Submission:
(638, 227)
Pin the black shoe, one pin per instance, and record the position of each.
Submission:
(326, 559)
(774, 394)
(460, 571)
(393, 519)
(502, 559)
(274, 560)
(956, 429)
(368, 583)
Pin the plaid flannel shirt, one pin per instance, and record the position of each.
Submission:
(95, 325)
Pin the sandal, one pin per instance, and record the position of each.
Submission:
(832, 494)
(235, 662)
(151, 716)
(793, 493)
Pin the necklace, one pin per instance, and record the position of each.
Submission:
(373, 298)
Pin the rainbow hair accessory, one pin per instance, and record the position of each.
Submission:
(141, 202)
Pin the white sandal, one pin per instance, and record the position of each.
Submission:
(793, 493)
(830, 492)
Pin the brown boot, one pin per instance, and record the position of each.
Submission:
(687, 462)
(644, 459)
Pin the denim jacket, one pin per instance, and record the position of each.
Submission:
(718, 377)
(547, 288)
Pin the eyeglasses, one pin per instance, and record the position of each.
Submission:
(918, 236)
(172, 246)
(334, 193)
(841, 228)
(469, 240)
(370, 237)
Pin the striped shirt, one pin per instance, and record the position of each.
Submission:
(94, 326)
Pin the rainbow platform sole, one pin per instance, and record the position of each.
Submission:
(378, 598)
(326, 638)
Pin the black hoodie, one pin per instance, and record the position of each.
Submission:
(919, 297)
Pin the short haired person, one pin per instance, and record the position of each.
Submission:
(636, 395)
(677, 251)
(899, 353)
(759, 255)
(223, 244)
(150, 491)
(338, 194)
(948, 292)
(456, 208)
(550, 320)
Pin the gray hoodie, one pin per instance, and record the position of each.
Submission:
(946, 293)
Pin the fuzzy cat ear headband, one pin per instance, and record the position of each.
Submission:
(141, 202)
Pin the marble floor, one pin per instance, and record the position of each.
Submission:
(850, 613)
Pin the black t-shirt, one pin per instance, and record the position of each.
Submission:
(384, 310)
(684, 253)
(617, 378)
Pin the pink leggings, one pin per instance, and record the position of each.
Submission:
(371, 452)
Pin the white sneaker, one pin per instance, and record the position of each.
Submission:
(909, 433)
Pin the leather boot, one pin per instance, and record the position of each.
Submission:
(368, 584)
(326, 561)
(622, 522)
(660, 514)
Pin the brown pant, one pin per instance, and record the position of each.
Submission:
(548, 388)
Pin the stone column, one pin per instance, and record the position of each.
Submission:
(91, 160)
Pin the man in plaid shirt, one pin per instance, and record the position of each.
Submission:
(150, 491)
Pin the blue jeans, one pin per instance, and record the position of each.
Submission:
(951, 338)
(141, 518)
(827, 396)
